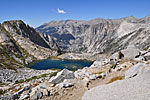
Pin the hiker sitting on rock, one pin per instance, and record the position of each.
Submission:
(120, 55)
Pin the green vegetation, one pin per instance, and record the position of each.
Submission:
(16, 90)
(58, 70)
(146, 47)
(6, 59)
(53, 74)
(2, 84)
(125, 36)
(1, 92)
(82, 48)
(20, 81)
(112, 46)
(115, 44)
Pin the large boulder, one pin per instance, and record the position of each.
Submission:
(65, 85)
(130, 53)
(35, 94)
(64, 74)
(97, 64)
(81, 73)
(134, 70)
(92, 77)
(136, 88)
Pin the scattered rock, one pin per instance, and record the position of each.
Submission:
(86, 79)
(24, 95)
(44, 91)
(10, 76)
(143, 52)
(92, 77)
(52, 85)
(123, 66)
(114, 56)
(103, 75)
(140, 58)
(134, 70)
(126, 65)
(65, 85)
(9, 97)
(35, 94)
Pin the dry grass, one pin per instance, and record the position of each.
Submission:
(16, 90)
(34, 85)
(148, 62)
(54, 57)
(115, 79)
(99, 72)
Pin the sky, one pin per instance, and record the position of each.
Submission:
(37, 12)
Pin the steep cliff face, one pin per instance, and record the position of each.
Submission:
(20, 44)
(98, 35)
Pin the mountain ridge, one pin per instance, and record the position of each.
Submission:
(95, 35)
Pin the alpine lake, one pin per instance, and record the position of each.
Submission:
(60, 64)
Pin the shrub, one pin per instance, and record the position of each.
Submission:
(1, 91)
(36, 77)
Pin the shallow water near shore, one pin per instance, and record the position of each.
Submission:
(61, 64)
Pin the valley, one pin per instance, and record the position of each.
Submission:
(87, 58)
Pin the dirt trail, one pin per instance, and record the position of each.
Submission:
(76, 92)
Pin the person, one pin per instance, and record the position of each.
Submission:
(87, 85)
(120, 55)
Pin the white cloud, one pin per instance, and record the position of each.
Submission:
(61, 11)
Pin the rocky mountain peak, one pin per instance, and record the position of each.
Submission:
(97, 35)
(146, 19)
(20, 43)
(18, 27)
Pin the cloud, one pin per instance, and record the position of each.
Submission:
(61, 11)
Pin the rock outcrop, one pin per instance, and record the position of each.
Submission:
(61, 76)
(134, 70)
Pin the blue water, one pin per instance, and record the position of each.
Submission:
(61, 64)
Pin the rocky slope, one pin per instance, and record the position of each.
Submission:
(110, 79)
(99, 35)
(134, 88)
(20, 44)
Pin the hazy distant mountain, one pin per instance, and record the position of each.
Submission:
(99, 35)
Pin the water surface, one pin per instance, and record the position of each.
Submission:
(61, 64)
